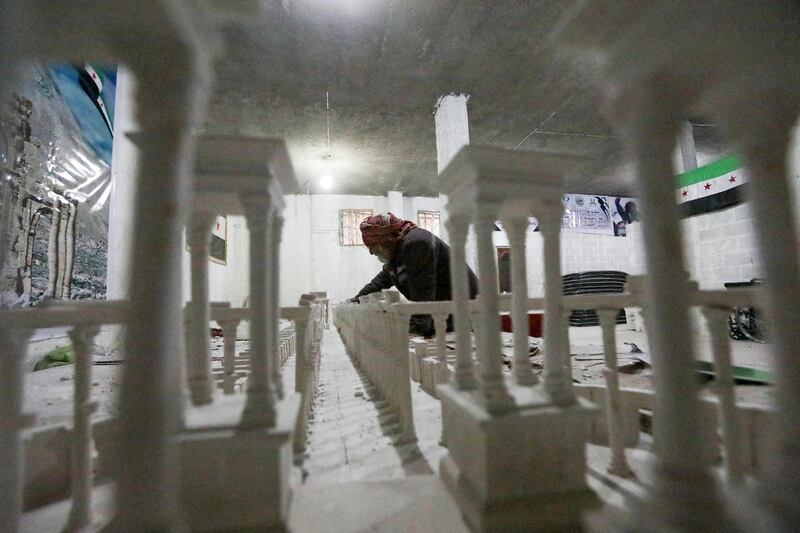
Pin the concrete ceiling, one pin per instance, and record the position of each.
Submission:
(384, 64)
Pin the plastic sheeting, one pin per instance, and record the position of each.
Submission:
(56, 183)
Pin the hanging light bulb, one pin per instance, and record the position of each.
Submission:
(326, 182)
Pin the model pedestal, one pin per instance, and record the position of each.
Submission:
(236, 479)
(524, 470)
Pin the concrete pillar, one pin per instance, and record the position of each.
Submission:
(452, 133)
(686, 146)
(396, 204)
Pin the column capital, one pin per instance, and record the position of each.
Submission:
(230, 323)
(439, 316)
(515, 225)
(552, 215)
(655, 103)
(458, 225)
(16, 339)
(82, 336)
(607, 316)
(257, 209)
(486, 210)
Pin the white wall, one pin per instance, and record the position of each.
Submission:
(311, 257)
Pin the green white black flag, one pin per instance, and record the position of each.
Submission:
(711, 187)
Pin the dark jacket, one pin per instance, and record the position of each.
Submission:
(420, 270)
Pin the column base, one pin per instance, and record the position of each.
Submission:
(234, 479)
(522, 470)
(676, 501)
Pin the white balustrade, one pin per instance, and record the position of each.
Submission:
(84, 320)
(375, 333)
(303, 342)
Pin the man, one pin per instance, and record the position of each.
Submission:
(415, 261)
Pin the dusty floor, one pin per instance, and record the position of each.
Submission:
(48, 393)
(346, 439)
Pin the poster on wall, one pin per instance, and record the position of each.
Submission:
(711, 187)
(601, 215)
(56, 133)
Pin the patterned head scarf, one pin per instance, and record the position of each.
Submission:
(384, 229)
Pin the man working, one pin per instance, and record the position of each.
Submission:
(415, 261)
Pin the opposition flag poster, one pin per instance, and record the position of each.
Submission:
(711, 187)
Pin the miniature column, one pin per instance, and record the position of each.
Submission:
(81, 479)
(764, 136)
(198, 352)
(274, 301)
(717, 318)
(492, 385)
(682, 484)
(440, 323)
(229, 329)
(259, 410)
(12, 379)
(614, 418)
(517, 228)
(464, 375)
(557, 382)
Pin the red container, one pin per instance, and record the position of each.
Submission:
(534, 324)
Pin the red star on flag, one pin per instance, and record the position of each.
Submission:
(732, 179)
(707, 186)
(685, 193)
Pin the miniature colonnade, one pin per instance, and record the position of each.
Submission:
(648, 93)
